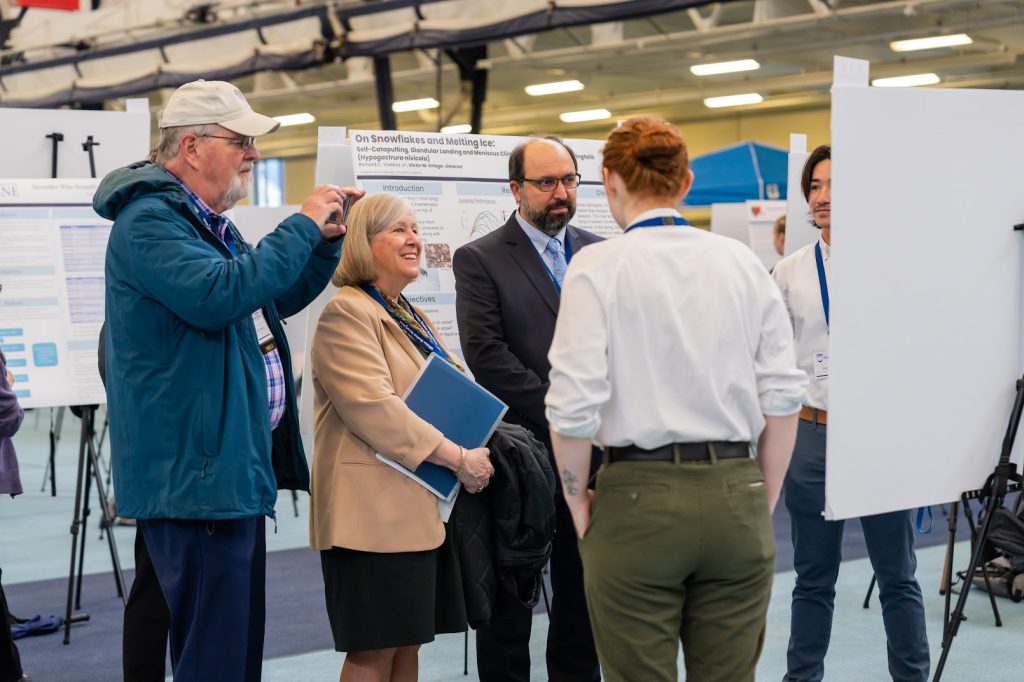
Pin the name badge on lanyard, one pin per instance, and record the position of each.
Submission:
(264, 336)
(819, 361)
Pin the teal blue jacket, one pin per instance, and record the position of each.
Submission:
(186, 387)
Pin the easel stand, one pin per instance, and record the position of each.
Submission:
(992, 495)
(50, 474)
(946, 585)
(89, 471)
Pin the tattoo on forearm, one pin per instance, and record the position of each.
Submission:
(571, 482)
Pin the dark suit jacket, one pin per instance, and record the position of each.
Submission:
(506, 306)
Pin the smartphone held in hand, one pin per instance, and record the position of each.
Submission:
(339, 217)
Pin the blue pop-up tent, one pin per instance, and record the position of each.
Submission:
(748, 170)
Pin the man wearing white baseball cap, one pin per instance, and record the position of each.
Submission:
(201, 102)
(201, 402)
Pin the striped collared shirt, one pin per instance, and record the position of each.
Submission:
(218, 225)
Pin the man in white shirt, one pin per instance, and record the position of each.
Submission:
(803, 277)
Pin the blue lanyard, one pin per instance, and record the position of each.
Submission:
(427, 343)
(822, 282)
(660, 221)
(568, 257)
(919, 520)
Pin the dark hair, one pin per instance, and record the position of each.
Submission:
(516, 160)
(822, 153)
(649, 154)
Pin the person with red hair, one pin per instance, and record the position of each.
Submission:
(673, 351)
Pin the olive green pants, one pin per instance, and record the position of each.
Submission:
(679, 552)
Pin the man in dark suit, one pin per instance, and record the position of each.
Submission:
(508, 284)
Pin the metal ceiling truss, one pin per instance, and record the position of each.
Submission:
(337, 41)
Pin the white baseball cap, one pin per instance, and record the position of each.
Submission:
(204, 102)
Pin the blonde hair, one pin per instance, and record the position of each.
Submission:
(370, 216)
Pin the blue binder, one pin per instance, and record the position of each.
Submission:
(465, 412)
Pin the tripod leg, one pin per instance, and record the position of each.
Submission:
(871, 588)
(85, 526)
(53, 451)
(76, 524)
(977, 548)
(991, 597)
(984, 571)
(946, 585)
(101, 492)
(295, 503)
(99, 449)
(51, 462)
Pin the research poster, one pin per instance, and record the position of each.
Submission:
(458, 187)
(52, 248)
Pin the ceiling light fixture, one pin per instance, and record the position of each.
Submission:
(553, 88)
(930, 43)
(588, 115)
(733, 100)
(906, 81)
(295, 119)
(457, 129)
(724, 67)
(415, 105)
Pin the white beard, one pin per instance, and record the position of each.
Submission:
(237, 191)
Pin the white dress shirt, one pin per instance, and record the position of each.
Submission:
(670, 334)
(540, 240)
(797, 277)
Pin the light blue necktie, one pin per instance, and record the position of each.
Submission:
(554, 248)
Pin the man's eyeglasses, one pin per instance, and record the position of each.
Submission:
(549, 184)
(243, 143)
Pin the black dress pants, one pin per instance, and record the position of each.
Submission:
(10, 661)
(146, 622)
(503, 646)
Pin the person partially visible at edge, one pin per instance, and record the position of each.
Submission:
(674, 352)
(779, 235)
(11, 416)
(803, 277)
(391, 575)
(203, 419)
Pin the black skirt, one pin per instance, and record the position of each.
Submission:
(380, 601)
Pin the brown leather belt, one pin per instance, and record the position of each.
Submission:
(813, 415)
(679, 452)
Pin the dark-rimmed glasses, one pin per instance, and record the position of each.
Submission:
(549, 184)
(243, 143)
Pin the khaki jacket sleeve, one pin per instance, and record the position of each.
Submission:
(352, 355)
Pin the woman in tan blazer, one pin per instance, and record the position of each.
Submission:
(390, 576)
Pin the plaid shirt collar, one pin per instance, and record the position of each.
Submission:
(215, 222)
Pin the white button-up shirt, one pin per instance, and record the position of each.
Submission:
(670, 334)
(797, 277)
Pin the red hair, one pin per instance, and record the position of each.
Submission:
(649, 154)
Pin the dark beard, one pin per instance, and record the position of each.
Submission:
(547, 223)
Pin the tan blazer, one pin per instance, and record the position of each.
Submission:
(362, 364)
